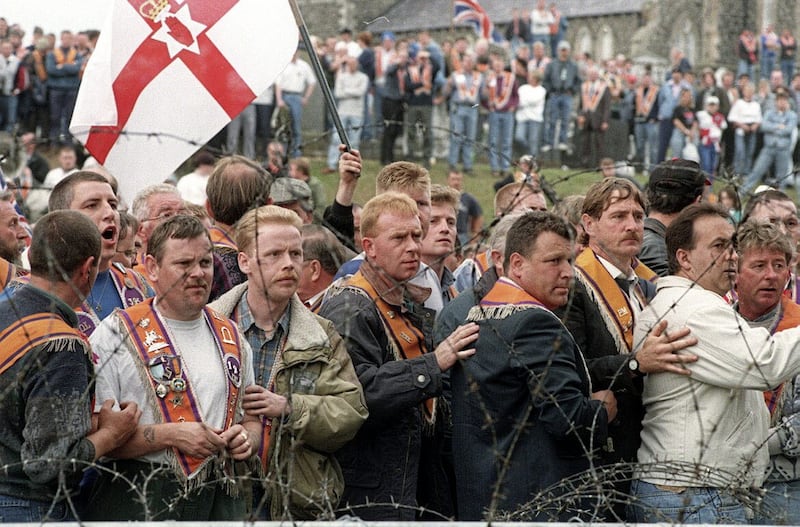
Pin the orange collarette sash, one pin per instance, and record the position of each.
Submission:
(505, 292)
(790, 318)
(161, 358)
(482, 261)
(499, 100)
(612, 302)
(407, 338)
(644, 103)
(589, 102)
(31, 331)
(220, 238)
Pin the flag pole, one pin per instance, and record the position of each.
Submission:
(330, 102)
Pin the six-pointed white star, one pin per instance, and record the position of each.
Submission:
(174, 46)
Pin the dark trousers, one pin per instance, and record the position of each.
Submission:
(62, 103)
(393, 114)
(664, 135)
(156, 495)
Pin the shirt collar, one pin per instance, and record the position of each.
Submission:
(247, 322)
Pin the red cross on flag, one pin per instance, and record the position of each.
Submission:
(167, 75)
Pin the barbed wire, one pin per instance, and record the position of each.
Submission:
(569, 496)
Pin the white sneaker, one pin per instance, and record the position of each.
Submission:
(546, 148)
(563, 147)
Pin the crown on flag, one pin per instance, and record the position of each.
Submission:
(152, 8)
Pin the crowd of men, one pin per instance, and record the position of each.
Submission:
(217, 350)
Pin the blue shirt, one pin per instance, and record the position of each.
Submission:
(264, 345)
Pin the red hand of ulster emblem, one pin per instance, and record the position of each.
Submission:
(179, 31)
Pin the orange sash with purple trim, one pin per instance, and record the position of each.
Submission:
(614, 305)
(7, 272)
(33, 330)
(790, 318)
(407, 338)
(161, 358)
(220, 238)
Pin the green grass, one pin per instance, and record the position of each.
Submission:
(565, 182)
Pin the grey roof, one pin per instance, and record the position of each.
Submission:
(412, 15)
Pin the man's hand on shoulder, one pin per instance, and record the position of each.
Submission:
(452, 349)
(659, 352)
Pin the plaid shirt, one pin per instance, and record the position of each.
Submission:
(264, 346)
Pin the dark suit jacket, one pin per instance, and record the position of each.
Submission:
(522, 417)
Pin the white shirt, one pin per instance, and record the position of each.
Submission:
(192, 187)
(296, 77)
(745, 112)
(120, 374)
(531, 103)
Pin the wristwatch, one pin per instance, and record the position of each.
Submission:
(633, 366)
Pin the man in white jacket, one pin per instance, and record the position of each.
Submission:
(704, 436)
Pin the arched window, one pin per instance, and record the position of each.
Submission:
(606, 45)
(583, 41)
(685, 39)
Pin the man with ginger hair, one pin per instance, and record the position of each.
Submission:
(306, 391)
(387, 331)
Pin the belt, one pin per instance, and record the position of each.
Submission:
(291, 93)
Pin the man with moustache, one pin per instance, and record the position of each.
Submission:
(306, 393)
(189, 369)
(387, 331)
(697, 460)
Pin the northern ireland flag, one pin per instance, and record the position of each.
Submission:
(167, 75)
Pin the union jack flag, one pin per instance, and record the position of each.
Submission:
(470, 12)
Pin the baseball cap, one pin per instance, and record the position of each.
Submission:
(677, 177)
(712, 100)
(287, 190)
(564, 45)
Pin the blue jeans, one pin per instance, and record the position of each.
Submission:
(651, 504)
(294, 102)
(463, 127)
(780, 505)
(745, 67)
(708, 158)
(677, 142)
(646, 135)
(352, 125)
(787, 68)
(529, 133)
(782, 158)
(558, 109)
(62, 103)
(19, 510)
(767, 65)
(744, 149)
(501, 134)
(8, 112)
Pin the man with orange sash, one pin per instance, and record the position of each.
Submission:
(594, 112)
(306, 393)
(612, 287)
(387, 331)
(116, 287)
(524, 415)
(47, 437)
(765, 254)
(188, 368)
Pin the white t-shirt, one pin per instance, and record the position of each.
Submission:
(119, 375)
(531, 103)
